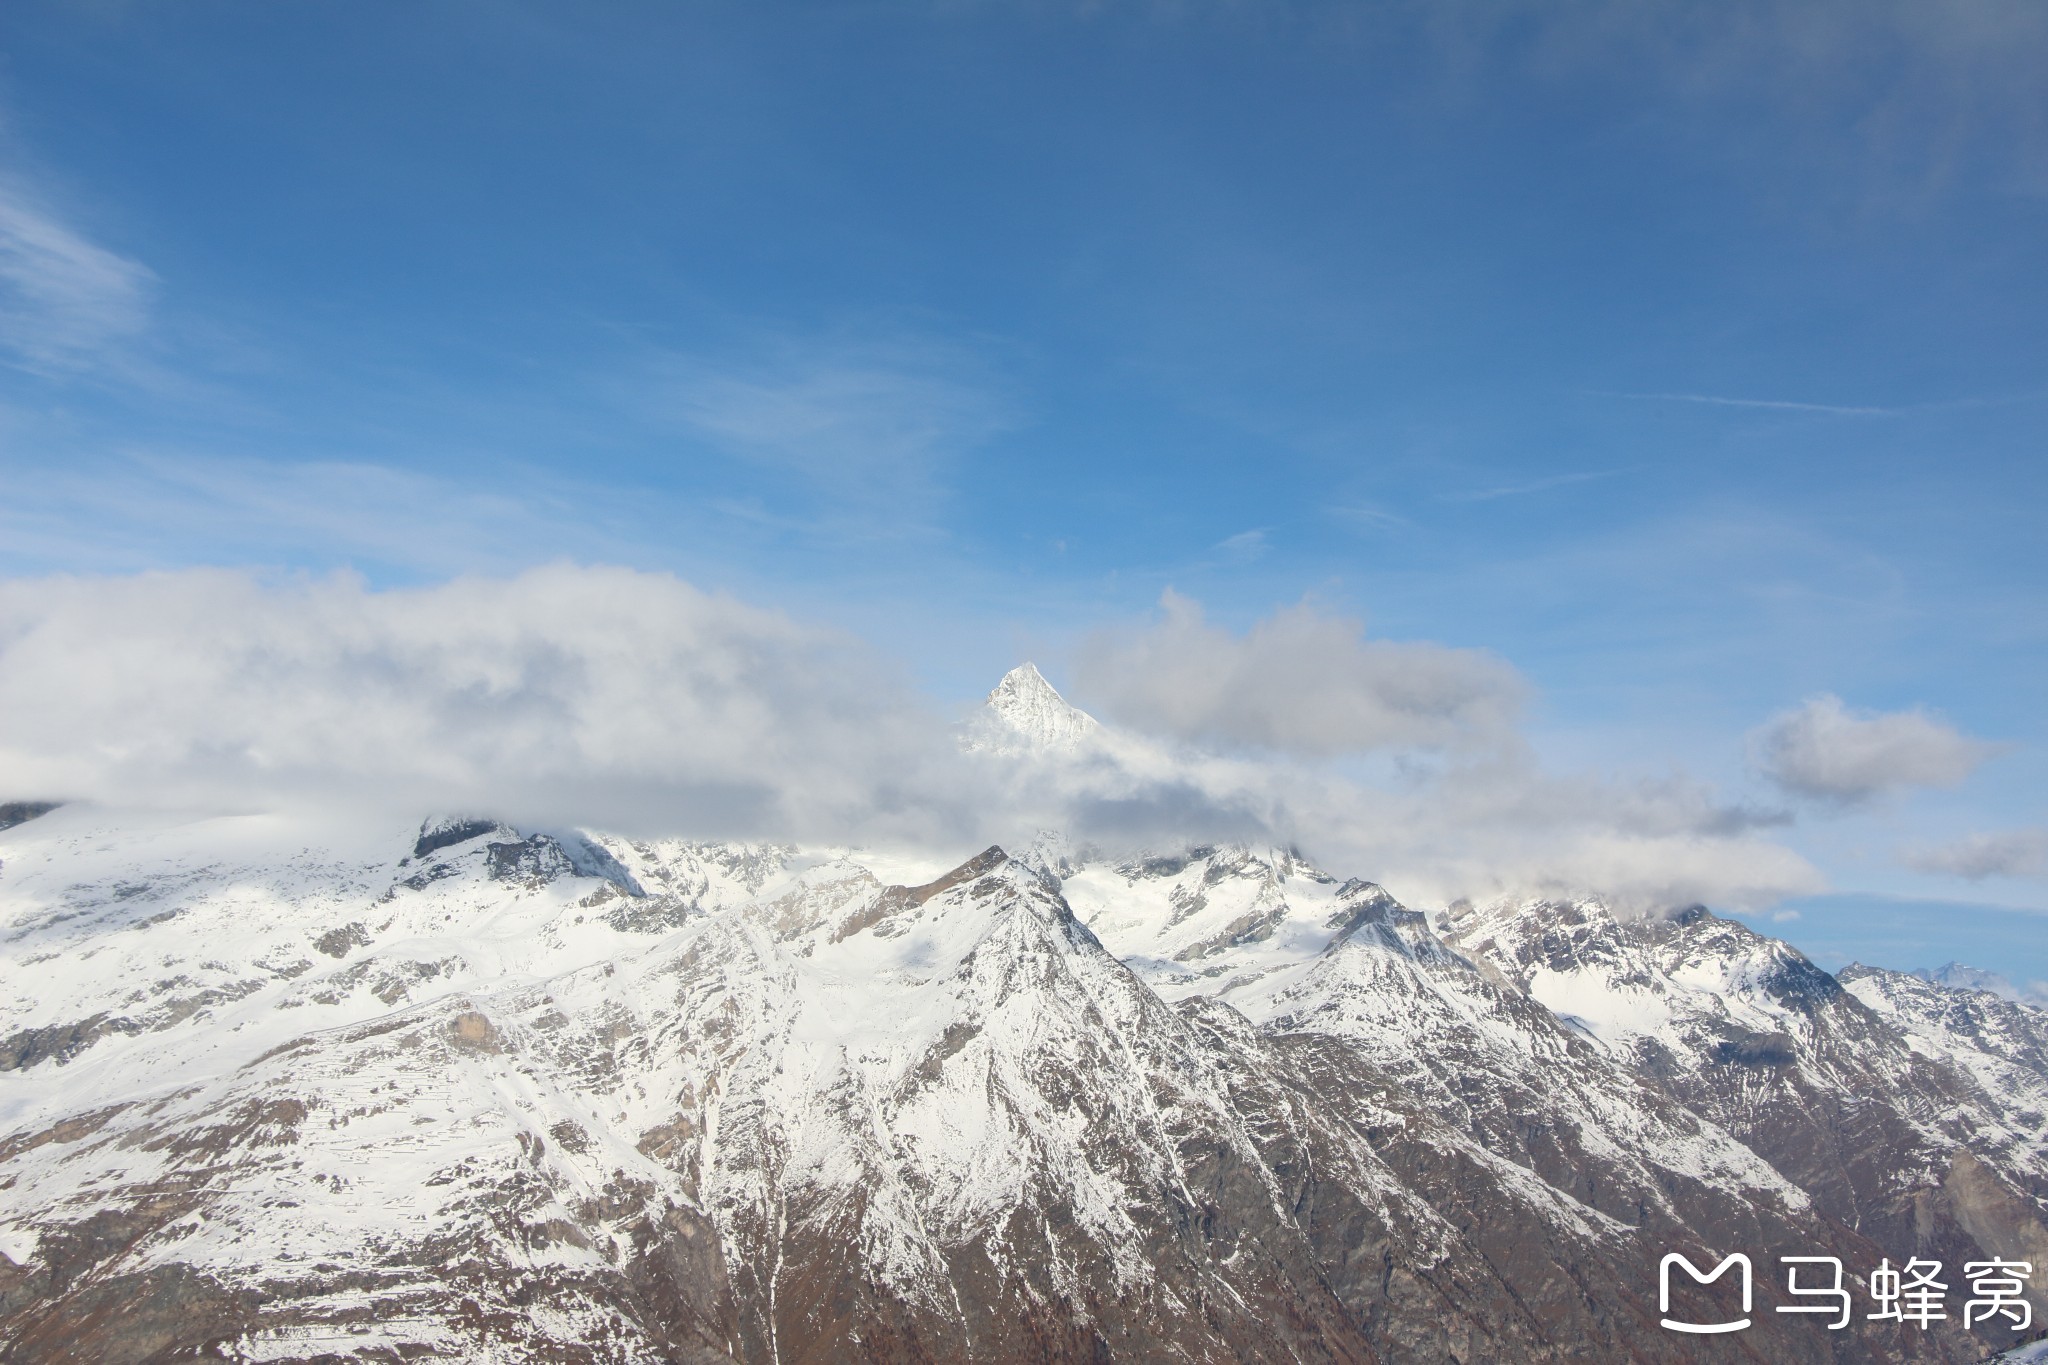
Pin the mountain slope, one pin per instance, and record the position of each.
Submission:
(1913, 1134)
(664, 1101)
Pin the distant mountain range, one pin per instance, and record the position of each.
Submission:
(1962, 978)
(272, 1091)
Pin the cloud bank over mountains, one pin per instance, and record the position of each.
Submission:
(1299, 683)
(634, 701)
(564, 693)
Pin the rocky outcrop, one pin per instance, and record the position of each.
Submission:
(14, 813)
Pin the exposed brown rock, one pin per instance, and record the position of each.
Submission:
(472, 1031)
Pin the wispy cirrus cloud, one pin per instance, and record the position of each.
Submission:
(144, 508)
(870, 425)
(65, 302)
(1244, 547)
(1364, 517)
(1543, 485)
(1768, 404)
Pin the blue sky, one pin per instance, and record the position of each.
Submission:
(1689, 360)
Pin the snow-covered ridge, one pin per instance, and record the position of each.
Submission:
(1808, 1069)
(502, 1092)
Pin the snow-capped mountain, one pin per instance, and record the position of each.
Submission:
(278, 1090)
(1027, 714)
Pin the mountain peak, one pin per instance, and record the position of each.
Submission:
(1031, 706)
(1024, 680)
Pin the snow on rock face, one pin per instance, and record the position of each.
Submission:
(2001, 1044)
(14, 813)
(1035, 716)
(1490, 1061)
(1209, 918)
(445, 831)
(1893, 1102)
(950, 1094)
(291, 1092)
(1638, 983)
(119, 934)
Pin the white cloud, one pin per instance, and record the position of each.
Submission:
(63, 300)
(563, 694)
(1505, 827)
(2003, 853)
(1480, 819)
(1298, 682)
(1824, 750)
(636, 702)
